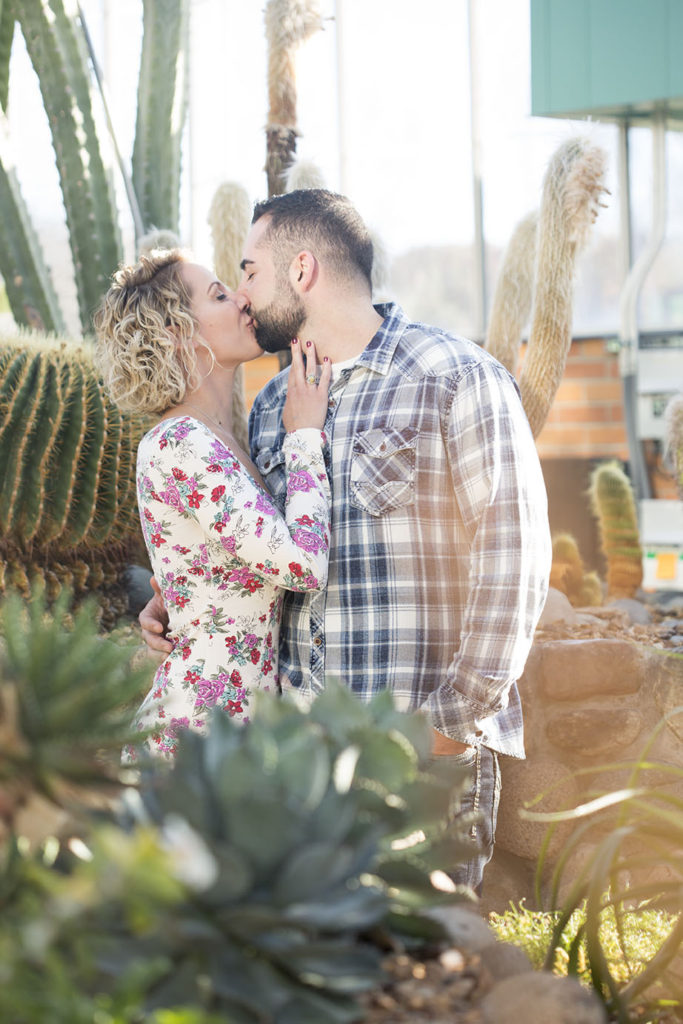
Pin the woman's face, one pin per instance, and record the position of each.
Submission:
(222, 323)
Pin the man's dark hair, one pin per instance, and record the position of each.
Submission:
(322, 221)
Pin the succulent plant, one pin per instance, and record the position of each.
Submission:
(259, 879)
(68, 511)
(613, 504)
(64, 693)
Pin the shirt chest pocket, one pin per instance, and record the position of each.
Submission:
(383, 469)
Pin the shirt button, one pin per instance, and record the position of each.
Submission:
(382, 447)
(331, 403)
(318, 641)
(266, 465)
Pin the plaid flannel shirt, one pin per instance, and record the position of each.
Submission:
(440, 542)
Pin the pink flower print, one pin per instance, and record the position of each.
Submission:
(296, 569)
(305, 521)
(214, 468)
(311, 582)
(235, 677)
(230, 544)
(191, 676)
(255, 656)
(157, 540)
(266, 667)
(186, 651)
(180, 549)
(148, 516)
(263, 504)
(250, 639)
(208, 693)
(300, 481)
(172, 497)
(307, 540)
(195, 498)
(163, 442)
(259, 526)
(178, 473)
(234, 708)
(217, 493)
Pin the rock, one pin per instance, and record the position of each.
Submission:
(557, 609)
(594, 732)
(541, 999)
(502, 960)
(138, 588)
(467, 930)
(636, 611)
(574, 669)
(523, 781)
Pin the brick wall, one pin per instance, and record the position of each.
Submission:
(587, 416)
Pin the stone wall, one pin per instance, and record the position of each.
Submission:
(589, 707)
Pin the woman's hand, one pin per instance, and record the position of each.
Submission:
(153, 620)
(306, 403)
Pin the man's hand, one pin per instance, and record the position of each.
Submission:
(153, 620)
(442, 745)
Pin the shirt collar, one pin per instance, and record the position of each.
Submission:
(379, 353)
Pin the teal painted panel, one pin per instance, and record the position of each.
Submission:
(605, 55)
(675, 49)
(629, 51)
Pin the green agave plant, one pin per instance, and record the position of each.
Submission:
(259, 880)
(68, 512)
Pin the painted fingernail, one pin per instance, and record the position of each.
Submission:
(308, 344)
(294, 341)
(326, 360)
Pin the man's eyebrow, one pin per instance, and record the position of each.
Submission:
(245, 263)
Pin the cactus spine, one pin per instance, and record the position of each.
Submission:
(674, 439)
(162, 99)
(613, 505)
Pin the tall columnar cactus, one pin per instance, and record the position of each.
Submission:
(513, 294)
(674, 439)
(229, 219)
(68, 511)
(612, 502)
(57, 51)
(288, 24)
(57, 45)
(162, 98)
(572, 188)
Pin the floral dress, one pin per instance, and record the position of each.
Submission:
(223, 554)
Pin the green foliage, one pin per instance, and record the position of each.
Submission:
(641, 937)
(623, 864)
(257, 880)
(67, 468)
(63, 691)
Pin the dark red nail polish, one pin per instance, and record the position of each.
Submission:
(308, 344)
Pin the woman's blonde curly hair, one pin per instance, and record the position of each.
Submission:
(144, 328)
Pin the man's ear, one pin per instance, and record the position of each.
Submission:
(303, 271)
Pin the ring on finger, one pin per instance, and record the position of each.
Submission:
(310, 378)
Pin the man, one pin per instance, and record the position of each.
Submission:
(440, 549)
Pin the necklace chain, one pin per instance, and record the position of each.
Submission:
(215, 422)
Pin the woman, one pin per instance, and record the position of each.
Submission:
(170, 337)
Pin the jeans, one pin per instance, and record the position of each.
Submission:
(482, 796)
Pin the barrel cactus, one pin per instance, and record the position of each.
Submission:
(613, 504)
(68, 512)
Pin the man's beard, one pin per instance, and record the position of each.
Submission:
(279, 322)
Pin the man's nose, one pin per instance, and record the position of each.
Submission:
(240, 300)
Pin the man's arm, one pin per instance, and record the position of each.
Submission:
(499, 489)
(153, 620)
